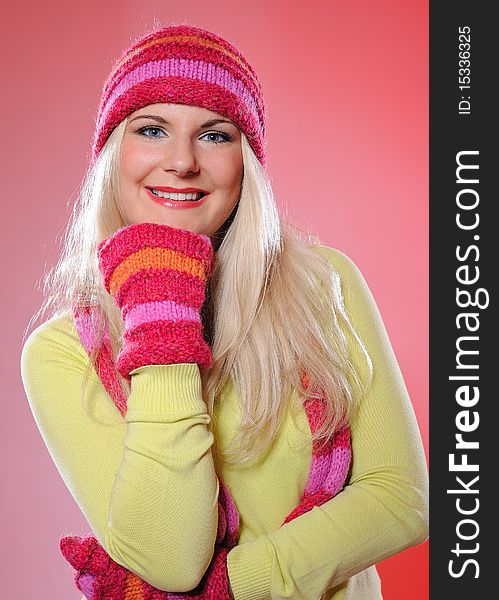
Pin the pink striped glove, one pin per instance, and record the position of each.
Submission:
(157, 276)
(98, 577)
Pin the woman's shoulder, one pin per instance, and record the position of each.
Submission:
(347, 269)
(54, 339)
(357, 297)
(334, 255)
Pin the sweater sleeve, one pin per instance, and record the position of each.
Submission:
(145, 483)
(382, 510)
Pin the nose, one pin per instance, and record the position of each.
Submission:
(180, 156)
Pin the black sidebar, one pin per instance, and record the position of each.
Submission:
(464, 335)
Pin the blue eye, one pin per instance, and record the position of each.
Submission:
(225, 136)
(222, 137)
(149, 128)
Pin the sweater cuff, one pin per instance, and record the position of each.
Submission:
(159, 391)
(249, 568)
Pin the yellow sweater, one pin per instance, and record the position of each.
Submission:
(147, 483)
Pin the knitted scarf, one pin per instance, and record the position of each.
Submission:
(98, 576)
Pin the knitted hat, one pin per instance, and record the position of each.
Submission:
(183, 65)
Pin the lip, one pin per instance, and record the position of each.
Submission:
(181, 204)
(189, 190)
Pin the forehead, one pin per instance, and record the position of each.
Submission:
(180, 112)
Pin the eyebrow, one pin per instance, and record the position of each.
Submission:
(159, 119)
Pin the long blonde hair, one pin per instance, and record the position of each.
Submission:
(273, 305)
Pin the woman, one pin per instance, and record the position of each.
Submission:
(264, 444)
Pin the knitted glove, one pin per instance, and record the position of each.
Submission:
(99, 577)
(157, 275)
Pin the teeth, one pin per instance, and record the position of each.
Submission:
(172, 196)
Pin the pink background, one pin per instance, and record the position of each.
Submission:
(346, 86)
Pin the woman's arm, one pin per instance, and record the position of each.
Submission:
(146, 483)
(384, 507)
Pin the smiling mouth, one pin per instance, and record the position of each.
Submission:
(177, 197)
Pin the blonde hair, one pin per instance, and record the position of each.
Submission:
(273, 305)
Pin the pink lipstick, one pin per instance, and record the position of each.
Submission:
(181, 204)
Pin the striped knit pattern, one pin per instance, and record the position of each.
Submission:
(98, 576)
(157, 275)
(184, 65)
(86, 322)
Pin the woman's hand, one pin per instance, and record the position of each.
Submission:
(157, 275)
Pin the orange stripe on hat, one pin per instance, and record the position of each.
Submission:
(186, 38)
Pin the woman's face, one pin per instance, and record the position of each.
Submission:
(184, 149)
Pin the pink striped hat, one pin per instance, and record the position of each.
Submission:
(183, 65)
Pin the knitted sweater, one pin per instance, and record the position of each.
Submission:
(148, 489)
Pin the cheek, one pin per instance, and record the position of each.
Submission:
(230, 173)
(128, 163)
(134, 161)
(130, 169)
